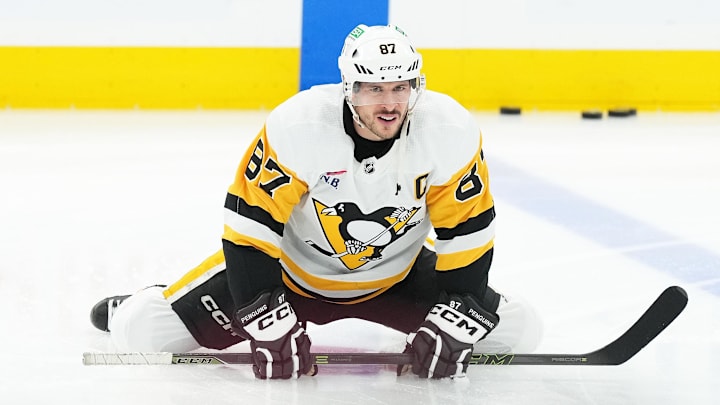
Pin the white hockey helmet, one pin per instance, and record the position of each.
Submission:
(379, 54)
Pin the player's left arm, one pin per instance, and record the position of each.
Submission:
(462, 212)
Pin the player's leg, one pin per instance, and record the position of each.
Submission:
(519, 331)
(191, 313)
(145, 322)
(202, 300)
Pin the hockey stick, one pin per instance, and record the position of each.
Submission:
(655, 319)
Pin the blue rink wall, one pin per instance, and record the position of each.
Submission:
(324, 24)
(543, 54)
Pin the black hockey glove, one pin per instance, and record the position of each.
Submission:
(443, 344)
(280, 346)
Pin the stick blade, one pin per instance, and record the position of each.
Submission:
(661, 313)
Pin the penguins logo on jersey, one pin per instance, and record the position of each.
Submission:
(357, 238)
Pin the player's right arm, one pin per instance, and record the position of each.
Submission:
(257, 206)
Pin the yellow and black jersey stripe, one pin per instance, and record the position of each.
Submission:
(462, 212)
(261, 199)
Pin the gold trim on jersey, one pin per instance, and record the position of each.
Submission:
(268, 248)
(325, 286)
(456, 260)
(290, 284)
(293, 287)
(193, 278)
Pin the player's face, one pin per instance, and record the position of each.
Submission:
(382, 108)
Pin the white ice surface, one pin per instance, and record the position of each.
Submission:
(595, 219)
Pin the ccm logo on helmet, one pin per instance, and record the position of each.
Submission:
(396, 67)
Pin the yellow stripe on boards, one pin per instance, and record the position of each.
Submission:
(147, 77)
(261, 78)
(576, 79)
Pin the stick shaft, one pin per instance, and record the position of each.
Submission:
(163, 358)
(653, 321)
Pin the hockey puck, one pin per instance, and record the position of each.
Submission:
(592, 114)
(506, 110)
(622, 112)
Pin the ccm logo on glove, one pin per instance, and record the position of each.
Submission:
(468, 329)
(278, 314)
(268, 323)
(280, 347)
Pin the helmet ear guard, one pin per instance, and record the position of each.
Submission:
(418, 82)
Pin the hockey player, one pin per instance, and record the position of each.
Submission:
(328, 218)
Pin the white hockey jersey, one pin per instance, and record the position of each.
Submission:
(345, 230)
